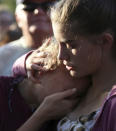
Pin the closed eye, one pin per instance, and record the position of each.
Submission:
(71, 44)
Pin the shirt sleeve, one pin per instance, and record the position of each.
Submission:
(107, 118)
(4, 86)
(19, 66)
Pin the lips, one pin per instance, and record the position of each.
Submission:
(68, 67)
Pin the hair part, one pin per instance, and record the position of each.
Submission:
(86, 17)
(89, 16)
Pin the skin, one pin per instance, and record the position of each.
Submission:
(36, 29)
(94, 51)
(52, 82)
(100, 66)
(55, 95)
(88, 55)
(74, 49)
(60, 80)
(85, 55)
(46, 110)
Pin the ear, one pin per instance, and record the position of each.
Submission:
(107, 40)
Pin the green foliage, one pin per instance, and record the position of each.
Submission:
(10, 3)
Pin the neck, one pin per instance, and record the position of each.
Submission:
(102, 82)
(105, 78)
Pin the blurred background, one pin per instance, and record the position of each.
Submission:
(9, 30)
(10, 3)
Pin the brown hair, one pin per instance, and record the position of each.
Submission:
(89, 16)
(51, 47)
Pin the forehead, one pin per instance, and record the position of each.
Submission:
(63, 33)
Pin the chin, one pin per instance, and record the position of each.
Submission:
(73, 73)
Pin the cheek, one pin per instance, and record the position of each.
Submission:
(95, 56)
(87, 61)
(90, 54)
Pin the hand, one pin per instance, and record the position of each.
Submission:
(34, 64)
(57, 105)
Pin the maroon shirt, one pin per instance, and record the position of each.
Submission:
(107, 118)
(13, 109)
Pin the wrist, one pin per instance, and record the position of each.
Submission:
(41, 114)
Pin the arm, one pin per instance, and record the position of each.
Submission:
(107, 119)
(27, 64)
(50, 109)
(34, 122)
(19, 67)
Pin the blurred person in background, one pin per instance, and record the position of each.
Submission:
(9, 30)
(32, 18)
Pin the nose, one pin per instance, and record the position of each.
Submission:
(63, 52)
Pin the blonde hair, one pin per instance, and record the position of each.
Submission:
(86, 17)
(61, 9)
(51, 48)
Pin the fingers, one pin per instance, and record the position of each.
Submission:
(39, 68)
(36, 67)
(36, 61)
(39, 54)
(32, 77)
(57, 105)
(67, 93)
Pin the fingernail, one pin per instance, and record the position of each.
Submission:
(40, 53)
(46, 53)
